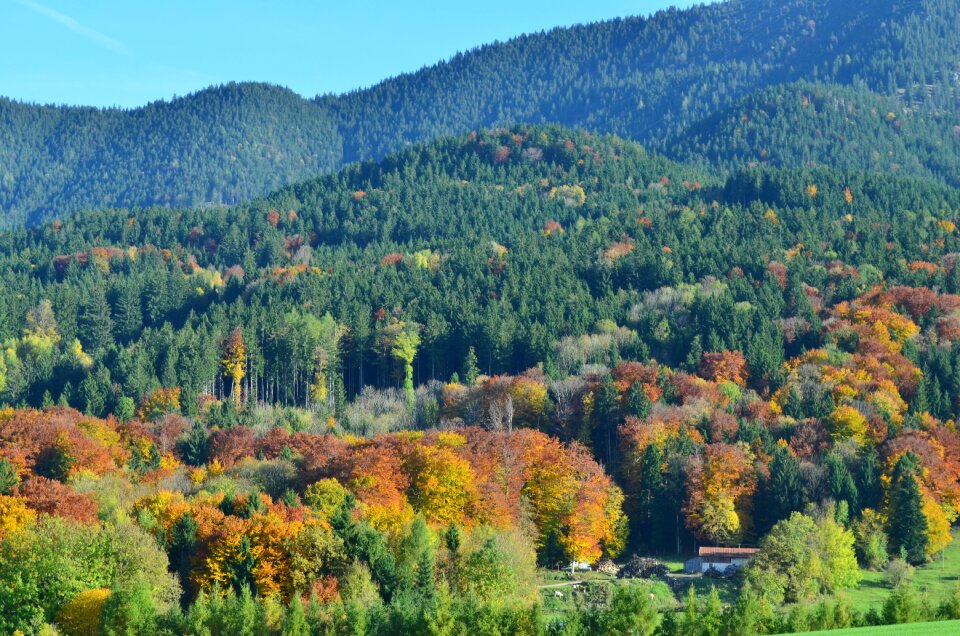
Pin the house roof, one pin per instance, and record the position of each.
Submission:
(727, 552)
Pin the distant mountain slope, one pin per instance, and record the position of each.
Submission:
(217, 146)
(644, 79)
(806, 124)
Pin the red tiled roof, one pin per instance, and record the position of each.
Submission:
(727, 552)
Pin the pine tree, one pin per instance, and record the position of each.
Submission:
(921, 400)
(194, 446)
(840, 481)
(470, 370)
(9, 477)
(607, 412)
(694, 356)
(295, 621)
(907, 525)
(783, 492)
(793, 407)
(128, 314)
(651, 483)
(638, 404)
(94, 325)
(868, 479)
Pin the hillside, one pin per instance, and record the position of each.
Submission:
(399, 389)
(806, 125)
(643, 79)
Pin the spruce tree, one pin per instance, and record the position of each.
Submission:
(470, 370)
(638, 404)
(907, 525)
(783, 492)
(94, 325)
(868, 479)
(608, 417)
(651, 483)
(840, 481)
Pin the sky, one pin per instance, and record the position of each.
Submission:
(131, 52)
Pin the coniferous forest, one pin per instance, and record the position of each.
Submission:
(498, 346)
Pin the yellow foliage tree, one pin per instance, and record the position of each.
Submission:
(325, 496)
(846, 422)
(234, 360)
(442, 485)
(160, 402)
(82, 614)
(938, 525)
(14, 515)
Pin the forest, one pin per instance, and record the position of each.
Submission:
(682, 82)
(509, 345)
(405, 397)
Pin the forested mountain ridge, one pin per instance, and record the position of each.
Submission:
(398, 389)
(643, 79)
(804, 124)
(217, 146)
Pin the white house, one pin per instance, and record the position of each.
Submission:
(719, 559)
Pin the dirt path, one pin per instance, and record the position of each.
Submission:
(564, 584)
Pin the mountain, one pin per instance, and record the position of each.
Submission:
(644, 79)
(310, 373)
(214, 147)
(505, 240)
(803, 124)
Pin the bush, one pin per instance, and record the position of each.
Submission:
(870, 540)
(898, 572)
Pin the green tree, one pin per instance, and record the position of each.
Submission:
(607, 412)
(638, 404)
(9, 477)
(782, 492)
(470, 369)
(629, 613)
(94, 325)
(802, 557)
(130, 611)
(906, 523)
(126, 409)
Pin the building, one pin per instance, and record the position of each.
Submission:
(718, 559)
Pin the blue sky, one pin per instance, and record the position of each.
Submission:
(130, 52)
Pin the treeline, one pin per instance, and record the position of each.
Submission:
(503, 243)
(674, 72)
(382, 399)
(847, 128)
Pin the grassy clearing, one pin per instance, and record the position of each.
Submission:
(943, 628)
(935, 581)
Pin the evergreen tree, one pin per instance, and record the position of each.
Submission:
(651, 484)
(840, 481)
(782, 492)
(869, 486)
(638, 404)
(94, 326)
(194, 446)
(607, 412)
(128, 315)
(470, 370)
(907, 525)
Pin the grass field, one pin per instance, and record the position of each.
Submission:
(944, 628)
(935, 580)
